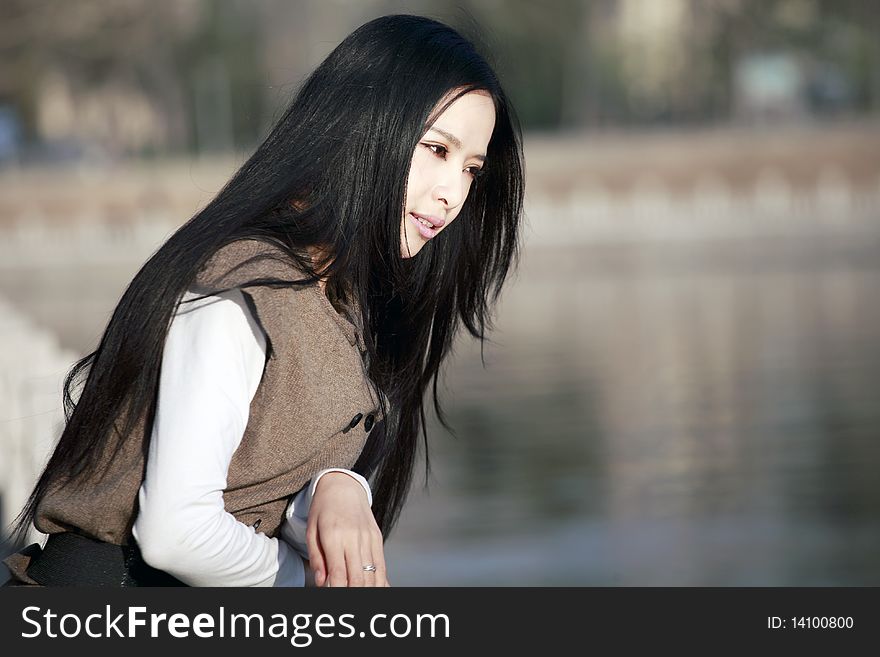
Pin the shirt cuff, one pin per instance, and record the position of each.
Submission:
(363, 482)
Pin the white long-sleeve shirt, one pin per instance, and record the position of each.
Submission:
(212, 364)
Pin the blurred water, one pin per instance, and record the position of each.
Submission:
(656, 414)
(705, 415)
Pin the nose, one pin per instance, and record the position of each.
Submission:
(450, 190)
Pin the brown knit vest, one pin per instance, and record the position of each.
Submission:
(313, 385)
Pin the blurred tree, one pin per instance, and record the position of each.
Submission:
(834, 40)
(223, 70)
(92, 44)
(166, 51)
(538, 50)
(198, 73)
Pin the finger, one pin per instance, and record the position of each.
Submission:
(337, 569)
(319, 571)
(381, 574)
(316, 557)
(355, 563)
(369, 575)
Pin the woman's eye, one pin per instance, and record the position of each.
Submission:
(437, 149)
(441, 152)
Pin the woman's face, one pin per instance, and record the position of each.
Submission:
(447, 159)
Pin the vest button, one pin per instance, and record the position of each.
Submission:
(368, 423)
(353, 423)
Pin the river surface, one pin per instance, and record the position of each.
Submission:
(699, 414)
(672, 416)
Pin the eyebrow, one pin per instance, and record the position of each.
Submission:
(455, 141)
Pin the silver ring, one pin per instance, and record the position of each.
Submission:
(370, 568)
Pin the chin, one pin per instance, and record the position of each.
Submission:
(415, 246)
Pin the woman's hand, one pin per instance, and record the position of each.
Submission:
(342, 535)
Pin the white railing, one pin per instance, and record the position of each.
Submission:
(710, 208)
(32, 369)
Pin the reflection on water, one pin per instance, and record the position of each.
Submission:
(707, 416)
(666, 414)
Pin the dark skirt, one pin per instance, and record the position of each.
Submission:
(70, 559)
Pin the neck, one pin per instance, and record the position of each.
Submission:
(317, 254)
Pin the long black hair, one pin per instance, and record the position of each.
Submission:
(332, 175)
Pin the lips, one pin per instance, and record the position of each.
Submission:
(436, 222)
(427, 225)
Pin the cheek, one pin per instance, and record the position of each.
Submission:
(419, 171)
(412, 183)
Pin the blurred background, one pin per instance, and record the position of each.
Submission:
(683, 385)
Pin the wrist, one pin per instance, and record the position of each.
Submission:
(336, 475)
(334, 478)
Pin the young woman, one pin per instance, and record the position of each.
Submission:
(275, 352)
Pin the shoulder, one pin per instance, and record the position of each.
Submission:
(226, 312)
(215, 339)
(245, 260)
(272, 305)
